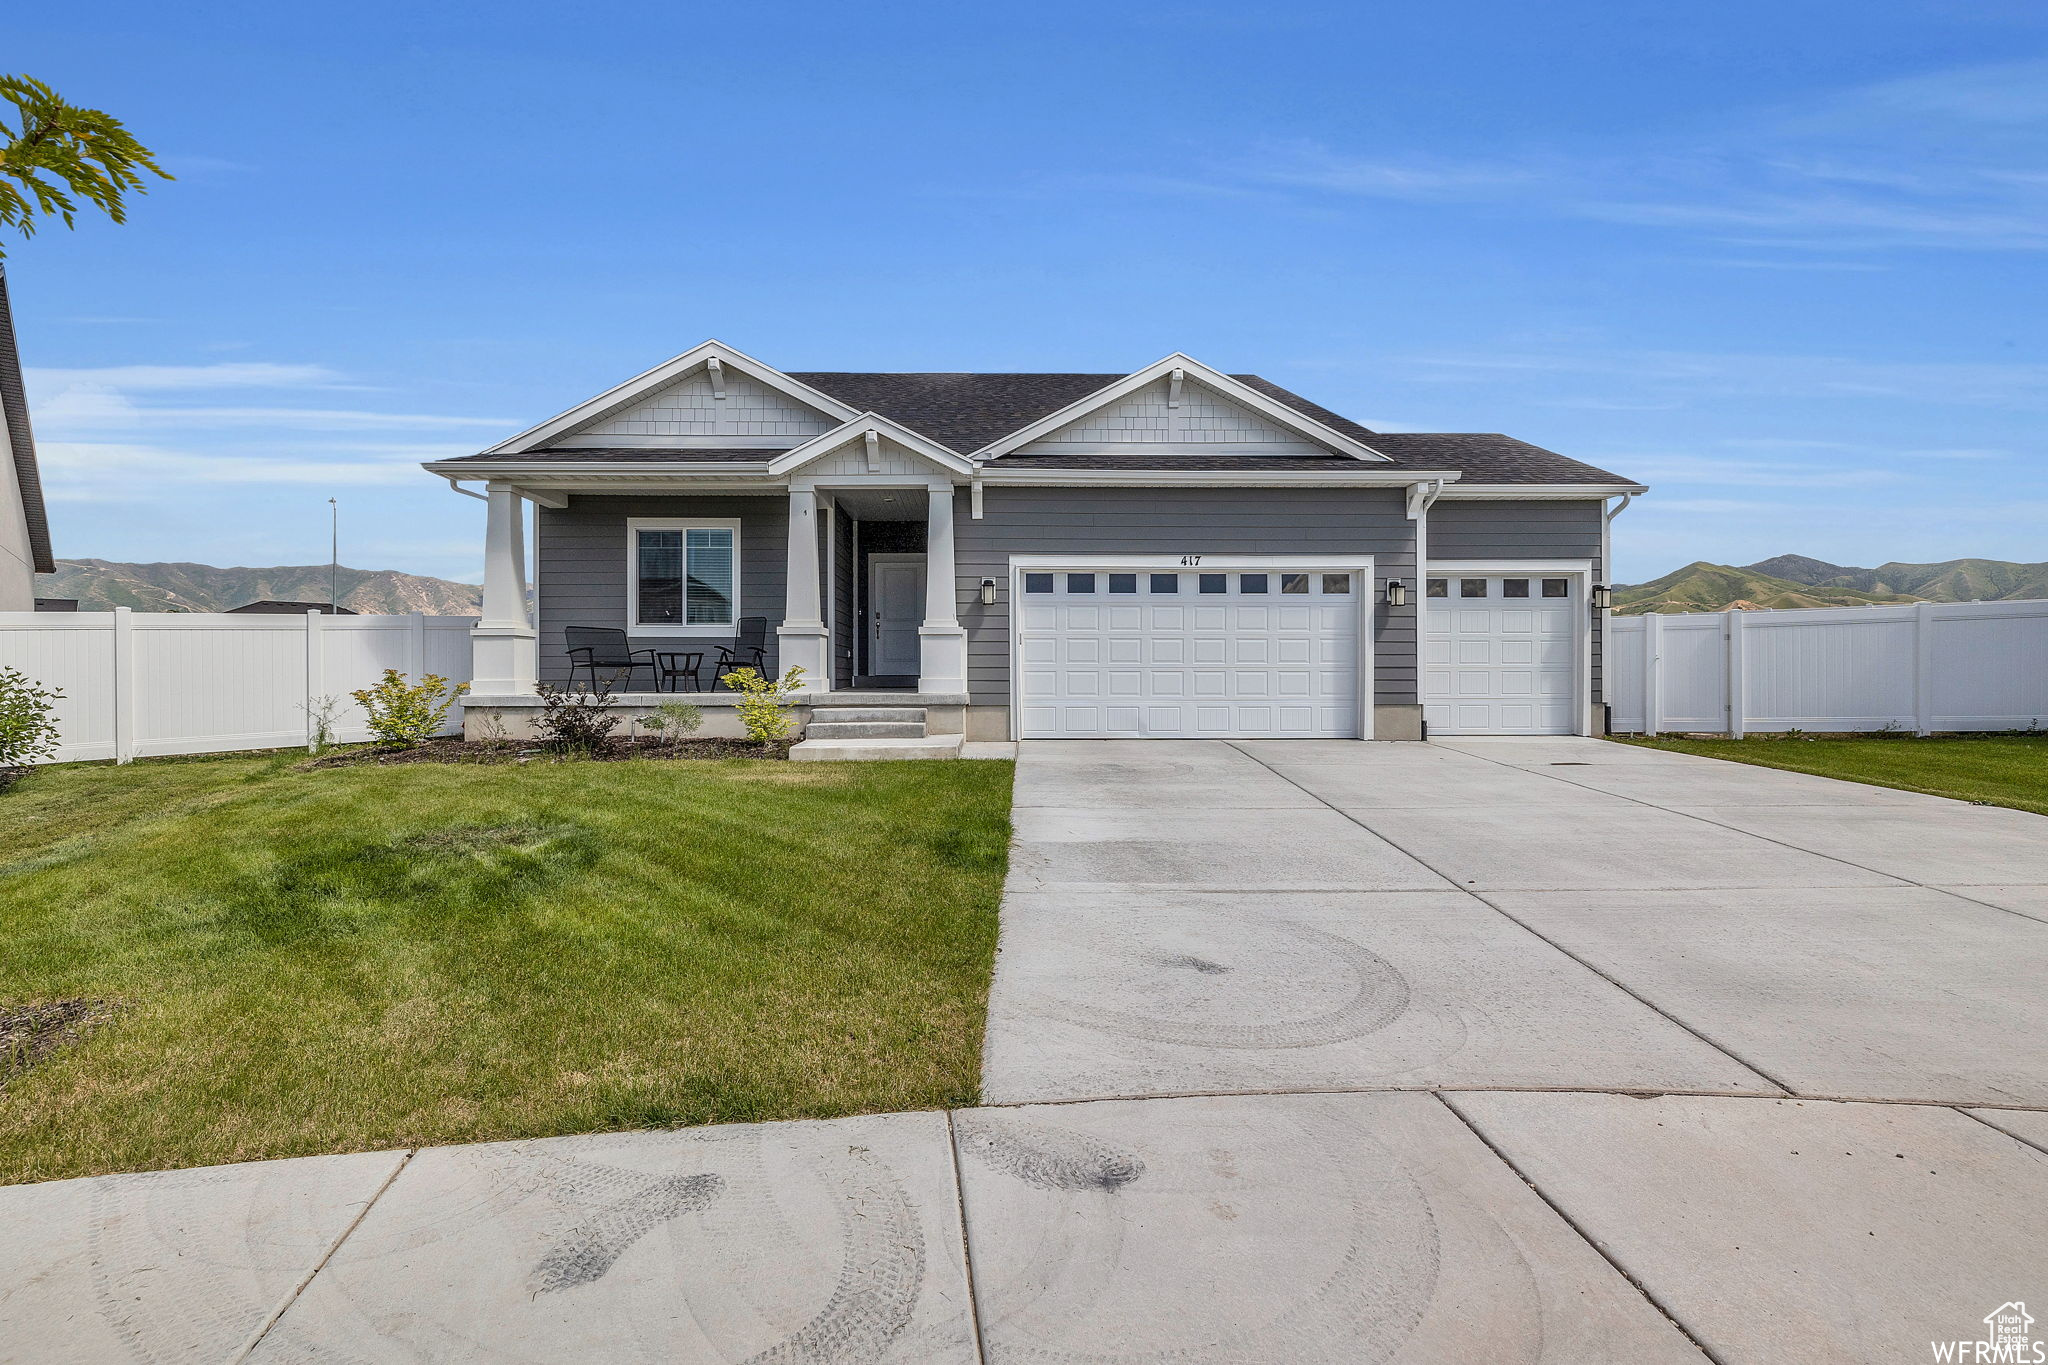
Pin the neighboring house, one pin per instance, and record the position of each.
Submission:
(1174, 552)
(24, 530)
(272, 607)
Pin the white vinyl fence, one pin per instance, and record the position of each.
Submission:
(143, 683)
(1927, 667)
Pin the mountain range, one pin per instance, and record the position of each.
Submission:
(1801, 581)
(101, 585)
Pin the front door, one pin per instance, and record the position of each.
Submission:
(895, 611)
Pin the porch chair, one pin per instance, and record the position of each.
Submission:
(748, 650)
(594, 648)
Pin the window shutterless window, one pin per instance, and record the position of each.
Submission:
(684, 576)
(1038, 582)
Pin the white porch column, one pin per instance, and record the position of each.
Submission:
(503, 649)
(942, 644)
(802, 638)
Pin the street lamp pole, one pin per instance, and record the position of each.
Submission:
(333, 557)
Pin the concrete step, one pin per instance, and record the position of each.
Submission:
(872, 750)
(864, 729)
(857, 714)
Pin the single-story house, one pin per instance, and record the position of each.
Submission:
(1174, 552)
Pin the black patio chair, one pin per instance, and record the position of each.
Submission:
(748, 650)
(603, 649)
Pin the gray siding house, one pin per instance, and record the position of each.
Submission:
(1171, 553)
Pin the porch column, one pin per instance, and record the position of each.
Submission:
(802, 639)
(503, 652)
(942, 644)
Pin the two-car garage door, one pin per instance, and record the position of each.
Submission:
(1199, 653)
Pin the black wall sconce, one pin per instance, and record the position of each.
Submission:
(1603, 597)
(988, 592)
(1397, 593)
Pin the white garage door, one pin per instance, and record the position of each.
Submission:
(1141, 653)
(1499, 655)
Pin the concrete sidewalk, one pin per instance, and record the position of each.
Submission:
(1298, 1052)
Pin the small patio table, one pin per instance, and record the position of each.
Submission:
(672, 664)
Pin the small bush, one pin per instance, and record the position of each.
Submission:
(575, 722)
(675, 719)
(763, 708)
(28, 724)
(406, 715)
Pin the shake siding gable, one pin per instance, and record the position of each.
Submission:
(1535, 530)
(584, 561)
(1167, 521)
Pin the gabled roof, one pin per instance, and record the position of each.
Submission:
(847, 433)
(984, 415)
(674, 368)
(21, 439)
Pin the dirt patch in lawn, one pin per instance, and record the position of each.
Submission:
(30, 1033)
(509, 751)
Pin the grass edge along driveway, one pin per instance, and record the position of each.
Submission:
(375, 957)
(1997, 769)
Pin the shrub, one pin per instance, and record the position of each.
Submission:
(762, 708)
(674, 719)
(28, 725)
(406, 715)
(575, 722)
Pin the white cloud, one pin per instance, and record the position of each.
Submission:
(186, 378)
(1714, 469)
(92, 472)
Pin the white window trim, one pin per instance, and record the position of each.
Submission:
(1579, 570)
(634, 526)
(1360, 566)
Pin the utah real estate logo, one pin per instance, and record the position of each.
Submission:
(2008, 1337)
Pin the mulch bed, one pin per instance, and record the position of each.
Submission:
(514, 751)
(29, 1033)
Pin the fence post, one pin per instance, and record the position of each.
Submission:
(416, 647)
(1923, 668)
(1738, 699)
(1653, 672)
(124, 685)
(316, 674)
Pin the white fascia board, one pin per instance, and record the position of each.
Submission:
(818, 447)
(996, 476)
(523, 471)
(1215, 379)
(649, 380)
(1592, 491)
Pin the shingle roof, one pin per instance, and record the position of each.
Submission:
(966, 412)
(617, 454)
(21, 439)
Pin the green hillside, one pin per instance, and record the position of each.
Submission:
(1799, 581)
(100, 585)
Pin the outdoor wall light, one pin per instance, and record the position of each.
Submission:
(1603, 597)
(1397, 593)
(988, 592)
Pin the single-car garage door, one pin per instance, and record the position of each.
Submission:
(1198, 654)
(1499, 654)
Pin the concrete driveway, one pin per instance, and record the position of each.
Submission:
(1508, 1050)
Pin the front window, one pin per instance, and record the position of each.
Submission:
(684, 576)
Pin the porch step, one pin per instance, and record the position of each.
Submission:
(864, 729)
(872, 750)
(834, 715)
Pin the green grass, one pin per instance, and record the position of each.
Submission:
(2000, 770)
(376, 957)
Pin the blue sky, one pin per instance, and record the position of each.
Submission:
(1784, 261)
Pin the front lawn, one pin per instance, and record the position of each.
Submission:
(287, 962)
(1999, 770)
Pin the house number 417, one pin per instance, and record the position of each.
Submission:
(1190, 559)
